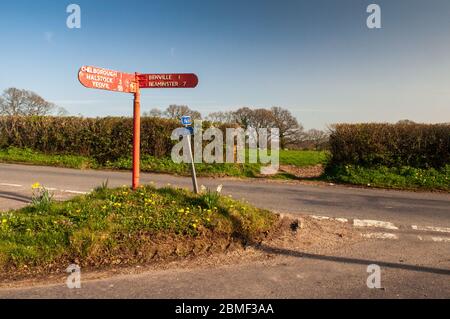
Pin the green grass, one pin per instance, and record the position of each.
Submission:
(303, 158)
(110, 224)
(398, 178)
(28, 156)
(159, 165)
(166, 165)
(300, 158)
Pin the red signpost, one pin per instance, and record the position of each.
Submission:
(103, 79)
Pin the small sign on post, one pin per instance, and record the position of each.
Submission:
(186, 122)
(104, 79)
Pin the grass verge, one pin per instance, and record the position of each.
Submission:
(120, 226)
(166, 165)
(396, 178)
(383, 177)
(159, 165)
(28, 156)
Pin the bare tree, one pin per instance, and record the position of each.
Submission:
(22, 102)
(154, 113)
(244, 117)
(2, 101)
(62, 112)
(13, 101)
(317, 138)
(276, 117)
(290, 129)
(177, 111)
(406, 121)
(222, 117)
(36, 105)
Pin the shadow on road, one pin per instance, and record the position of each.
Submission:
(16, 197)
(365, 262)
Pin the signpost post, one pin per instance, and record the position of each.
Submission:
(104, 79)
(136, 137)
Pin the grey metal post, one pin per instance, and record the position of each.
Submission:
(194, 175)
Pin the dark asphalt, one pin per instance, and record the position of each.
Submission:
(400, 207)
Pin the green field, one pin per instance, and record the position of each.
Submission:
(303, 158)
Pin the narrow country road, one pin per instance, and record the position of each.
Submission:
(399, 207)
(407, 235)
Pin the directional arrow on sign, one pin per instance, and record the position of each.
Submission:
(103, 79)
(167, 80)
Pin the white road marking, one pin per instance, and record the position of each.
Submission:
(391, 226)
(320, 217)
(74, 192)
(441, 239)
(10, 185)
(341, 220)
(380, 235)
(53, 189)
(373, 223)
(431, 228)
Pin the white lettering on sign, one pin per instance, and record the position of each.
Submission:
(165, 77)
(99, 78)
(92, 70)
(163, 84)
(100, 85)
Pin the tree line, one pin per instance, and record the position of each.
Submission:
(292, 133)
(19, 102)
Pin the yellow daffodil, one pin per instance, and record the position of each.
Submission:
(36, 185)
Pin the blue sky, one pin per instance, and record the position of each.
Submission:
(317, 57)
